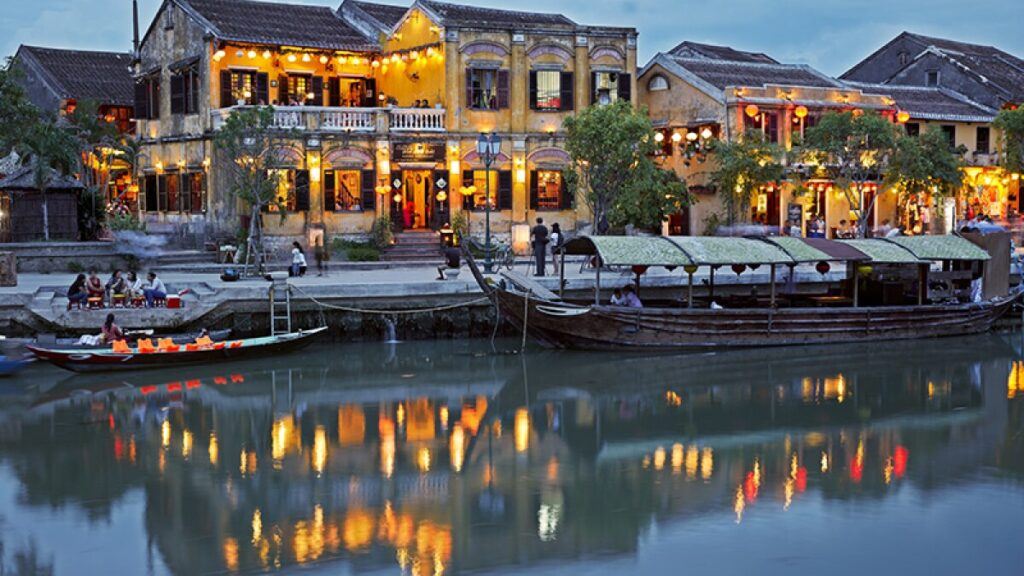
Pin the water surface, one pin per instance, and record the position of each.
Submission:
(451, 458)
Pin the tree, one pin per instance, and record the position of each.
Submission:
(97, 146)
(17, 114)
(851, 149)
(51, 150)
(253, 148)
(611, 148)
(924, 164)
(742, 168)
(1010, 123)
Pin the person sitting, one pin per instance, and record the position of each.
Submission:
(95, 289)
(452, 261)
(111, 332)
(629, 297)
(77, 293)
(155, 290)
(617, 299)
(844, 231)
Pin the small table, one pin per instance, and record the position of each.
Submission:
(95, 302)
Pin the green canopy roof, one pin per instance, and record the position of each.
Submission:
(798, 249)
(629, 250)
(941, 247)
(716, 250)
(882, 252)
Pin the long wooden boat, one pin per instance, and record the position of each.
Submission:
(107, 360)
(133, 337)
(558, 323)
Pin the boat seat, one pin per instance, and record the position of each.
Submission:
(530, 285)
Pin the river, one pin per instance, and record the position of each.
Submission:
(452, 458)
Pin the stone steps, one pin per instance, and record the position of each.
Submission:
(414, 246)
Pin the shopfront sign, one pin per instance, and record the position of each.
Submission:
(418, 152)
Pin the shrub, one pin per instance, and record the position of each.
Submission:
(129, 221)
(381, 235)
(362, 254)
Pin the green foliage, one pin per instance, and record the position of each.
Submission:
(742, 168)
(17, 114)
(51, 150)
(91, 213)
(381, 235)
(612, 147)
(460, 224)
(1010, 124)
(125, 221)
(924, 164)
(362, 254)
(252, 147)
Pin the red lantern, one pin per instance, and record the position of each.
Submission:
(638, 270)
(738, 268)
(822, 268)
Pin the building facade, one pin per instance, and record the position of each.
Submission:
(388, 103)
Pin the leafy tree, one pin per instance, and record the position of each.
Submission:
(253, 148)
(52, 150)
(742, 168)
(851, 149)
(97, 147)
(611, 147)
(17, 114)
(924, 164)
(1010, 123)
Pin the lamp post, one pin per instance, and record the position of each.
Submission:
(488, 146)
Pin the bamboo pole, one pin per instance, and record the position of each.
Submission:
(561, 276)
(773, 285)
(597, 284)
(689, 297)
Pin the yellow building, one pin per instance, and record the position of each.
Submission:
(389, 102)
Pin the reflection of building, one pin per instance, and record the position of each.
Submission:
(388, 102)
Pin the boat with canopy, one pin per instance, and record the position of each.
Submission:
(891, 289)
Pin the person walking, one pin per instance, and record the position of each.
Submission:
(539, 236)
(321, 255)
(555, 240)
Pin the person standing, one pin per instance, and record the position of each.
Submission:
(555, 240)
(539, 234)
(320, 253)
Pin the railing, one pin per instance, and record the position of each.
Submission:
(336, 119)
(417, 119)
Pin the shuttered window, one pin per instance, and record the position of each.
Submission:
(487, 89)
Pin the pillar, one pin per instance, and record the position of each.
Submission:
(383, 156)
(454, 161)
(519, 73)
(453, 80)
(582, 73)
(520, 198)
(315, 216)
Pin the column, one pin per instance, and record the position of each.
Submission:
(454, 82)
(581, 72)
(454, 160)
(383, 156)
(315, 216)
(518, 74)
(520, 199)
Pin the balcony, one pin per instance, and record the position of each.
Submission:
(348, 120)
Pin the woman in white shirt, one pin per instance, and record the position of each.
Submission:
(298, 260)
(555, 241)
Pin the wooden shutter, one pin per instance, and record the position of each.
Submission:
(318, 90)
(225, 89)
(534, 196)
(504, 190)
(370, 94)
(301, 190)
(177, 93)
(469, 88)
(567, 91)
(533, 89)
(150, 204)
(368, 189)
(625, 87)
(141, 100)
(263, 88)
(282, 90)
(593, 88)
(334, 91)
(503, 96)
(329, 199)
(565, 198)
(154, 104)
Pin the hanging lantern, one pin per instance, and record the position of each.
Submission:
(323, 59)
(430, 51)
(375, 64)
(659, 137)
(266, 54)
(738, 268)
(251, 54)
(800, 112)
(677, 137)
(690, 269)
(397, 197)
(442, 196)
(706, 133)
(395, 58)
(822, 267)
(341, 60)
(903, 116)
(751, 110)
(218, 55)
(638, 269)
(292, 58)
(306, 58)
(691, 136)
(414, 55)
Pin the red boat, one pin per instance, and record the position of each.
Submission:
(108, 360)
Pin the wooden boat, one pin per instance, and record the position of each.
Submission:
(133, 336)
(559, 323)
(108, 360)
(11, 366)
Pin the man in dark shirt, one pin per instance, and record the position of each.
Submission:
(540, 244)
(452, 260)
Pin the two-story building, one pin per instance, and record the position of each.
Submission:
(388, 100)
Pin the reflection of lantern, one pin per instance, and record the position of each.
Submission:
(801, 112)
(738, 268)
(822, 267)
(751, 110)
(902, 116)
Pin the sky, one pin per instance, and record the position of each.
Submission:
(829, 35)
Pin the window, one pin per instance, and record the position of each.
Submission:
(299, 88)
(904, 58)
(981, 145)
(932, 78)
(913, 129)
(950, 133)
(486, 89)
(479, 178)
(766, 122)
(608, 87)
(343, 191)
(147, 97)
(167, 198)
(292, 191)
(247, 86)
(549, 90)
(243, 86)
(193, 196)
(547, 191)
(185, 91)
(657, 83)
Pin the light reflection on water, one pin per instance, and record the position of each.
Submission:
(434, 458)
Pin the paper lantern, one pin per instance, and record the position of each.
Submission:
(902, 117)
(659, 137)
(738, 268)
(800, 112)
(323, 59)
(638, 269)
(690, 268)
(751, 110)
(706, 133)
(822, 267)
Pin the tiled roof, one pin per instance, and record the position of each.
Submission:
(104, 77)
(954, 45)
(279, 24)
(722, 73)
(1005, 72)
(930, 103)
(459, 15)
(386, 14)
(23, 179)
(690, 49)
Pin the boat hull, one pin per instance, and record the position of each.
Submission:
(560, 325)
(107, 361)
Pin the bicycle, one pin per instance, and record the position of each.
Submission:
(501, 254)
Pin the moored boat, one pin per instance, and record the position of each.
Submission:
(133, 336)
(890, 292)
(101, 360)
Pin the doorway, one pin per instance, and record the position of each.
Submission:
(418, 193)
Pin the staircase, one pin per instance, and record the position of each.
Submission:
(414, 246)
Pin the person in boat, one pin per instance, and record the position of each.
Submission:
(452, 261)
(617, 299)
(629, 297)
(298, 259)
(894, 232)
(539, 236)
(111, 331)
(155, 290)
(77, 293)
(94, 286)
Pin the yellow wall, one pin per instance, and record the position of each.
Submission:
(414, 79)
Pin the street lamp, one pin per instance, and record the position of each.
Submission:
(488, 146)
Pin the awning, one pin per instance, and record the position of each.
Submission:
(883, 252)
(629, 250)
(725, 251)
(816, 249)
(941, 247)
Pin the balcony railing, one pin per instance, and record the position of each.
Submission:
(336, 119)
